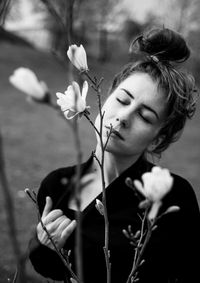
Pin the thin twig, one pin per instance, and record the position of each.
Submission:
(78, 250)
(93, 125)
(96, 87)
(4, 6)
(60, 254)
(139, 251)
(54, 13)
(78, 246)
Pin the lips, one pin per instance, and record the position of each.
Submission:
(115, 132)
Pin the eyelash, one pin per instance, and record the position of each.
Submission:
(142, 117)
(122, 102)
(146, 120)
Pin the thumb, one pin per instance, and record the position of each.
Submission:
(48, 207)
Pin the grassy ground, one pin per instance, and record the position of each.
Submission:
(37, 140)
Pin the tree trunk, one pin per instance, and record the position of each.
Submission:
(4, 7)
(103, 43)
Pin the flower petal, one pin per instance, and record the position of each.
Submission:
(76, 88)
(66, 114)
(154, 210)
(44, 86)
(71, 50)
(59, 94)
(84, 90)
(139, 187)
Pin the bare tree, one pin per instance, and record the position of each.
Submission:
(97, 23)
(61, 22)
(183, 12)
(4, 8)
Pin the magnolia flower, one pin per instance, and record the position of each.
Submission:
(156, 184)
(78, 57)
(99, 206)
(73, 100)
(26, 81)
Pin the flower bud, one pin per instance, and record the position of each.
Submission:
(99, 206)
(26, 81)
(78, 57)
(172, 208)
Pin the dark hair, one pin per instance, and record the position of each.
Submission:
(162, 49)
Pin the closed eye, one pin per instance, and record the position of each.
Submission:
(124, 102)
(144, 118)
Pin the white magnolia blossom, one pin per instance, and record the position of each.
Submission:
(78, 57)
(72, 100)
(156, 184)
(99, 206)
(26, 81)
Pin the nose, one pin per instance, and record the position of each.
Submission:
(125, 116)
(124, 123)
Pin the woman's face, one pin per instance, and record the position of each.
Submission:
(136, 111)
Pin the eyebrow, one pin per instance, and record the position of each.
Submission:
(144, 105)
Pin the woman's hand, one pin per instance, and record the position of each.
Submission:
(58, 225)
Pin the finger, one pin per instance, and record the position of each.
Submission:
(52, 216)
(60, 222)
(64, 224)
(68, 230)
(48, 206)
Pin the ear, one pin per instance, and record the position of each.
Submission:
(151, 147)
(154, 144)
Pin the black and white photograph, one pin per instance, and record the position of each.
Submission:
(99, 141)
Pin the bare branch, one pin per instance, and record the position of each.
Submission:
(4, 7)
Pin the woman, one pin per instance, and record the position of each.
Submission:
(148, 105)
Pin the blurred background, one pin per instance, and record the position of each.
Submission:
(36, 140)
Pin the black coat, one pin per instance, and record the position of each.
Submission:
(171, 255)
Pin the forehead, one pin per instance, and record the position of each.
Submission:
(140, 82)
(143, 83)
(145, 90)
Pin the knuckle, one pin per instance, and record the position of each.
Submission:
(57, 211)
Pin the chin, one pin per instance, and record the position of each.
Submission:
(121, 150)
(116, 150)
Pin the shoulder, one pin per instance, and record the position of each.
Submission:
(182, 191)
(55, 185)
(59, 176)
(182, 188)
(58, 185)
(183, 195)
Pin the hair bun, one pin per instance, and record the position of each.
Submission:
(165, 44)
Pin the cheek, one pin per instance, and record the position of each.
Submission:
(109, 105)
(143, 135)
(106, 110)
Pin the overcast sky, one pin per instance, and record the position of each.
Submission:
(139, 8)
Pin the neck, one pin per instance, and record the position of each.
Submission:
(114, 164)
